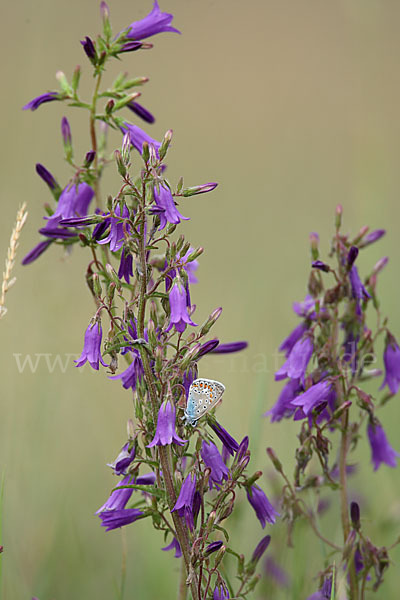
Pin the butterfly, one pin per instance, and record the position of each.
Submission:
(204, 394)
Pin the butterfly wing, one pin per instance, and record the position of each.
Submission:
(204, 394)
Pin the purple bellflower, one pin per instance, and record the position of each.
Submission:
(391, 358)
(74, 200)
(155, 22)
(123, 460)
(91, 348)
(174, 545)
(262, 506)
(228, 441)
(165, 201)
(36, 102)
(179, 309)
(184, 504)
(119, 497)
(141, 111)
(283, 406)
(165, 432)
(221, 591)
(297, 361)
(116, 235)
(126, 265)
(230, 347)
(303, 309)
(213, 460)
(315, 395)
(292, 338)
(137, 137)
(133, 374)
(381, 450)
(112, 519)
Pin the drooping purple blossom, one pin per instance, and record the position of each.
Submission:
(391, 358)
(141, 111)
(155, 22)
(113, 519)
(36, 252)
(262, 506)
(124, 459)
(174, 545)
(230, 347)
(213, 460)
(164, 200)
(283, 407)
(137, 137)
(260, 549)
(228, 441)
(184, 503)
(116, 235)
(47, 177)
(381, 450)
(297, 361)
(221, 591)
(133, 374)
(293, 337)
(179, 309)
(74, 201)
(315, 395)
(165, 431)
(36, 102)
(125, 270)
(119, 497)
(91, 348)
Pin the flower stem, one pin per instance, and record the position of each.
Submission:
(180, 527)
(182, 591)
(94, 139)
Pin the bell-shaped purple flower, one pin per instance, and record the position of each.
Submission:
(230, 347)
(165, 202)
(116, 235)
(36, 102)
(124, 459)
(141, 111)
(228, 441)
(293, 337)
(125, 270)
(315, 395)
(133, 374)
(155, 22)
(213, 460)
(174, 545)
(221, 591)
(179, 309)
(112, 519)
(36, 252)
(74, 201)
(184, 504)
(381, 450)
(297, 361)
(262, 506)
(165, 431)
(391, 358)
(119, 497)
(137, 137)
(283, 406)
(91, 348)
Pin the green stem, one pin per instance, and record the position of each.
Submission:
(94, 139)
(182, 591)
(180, 526)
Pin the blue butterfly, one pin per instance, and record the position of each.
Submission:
(204, 394)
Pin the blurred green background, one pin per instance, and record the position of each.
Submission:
(292, 107)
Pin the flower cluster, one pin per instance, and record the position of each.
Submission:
(328, 360)
(183, 479)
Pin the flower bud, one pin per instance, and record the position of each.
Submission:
(321, 266)
(120, 163)
(89, 158)
(314, 241)
(109, 106)
(275, 460)
(210, 321)
(67, 138)
(352, 255)
(355, 515)
(64, 85)
(90, 50)
(165, 144)
(251, 480)
(75, 78)
(96, 285)
(213, 547)
(338, 217)
(199, 189)
(124, 101)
